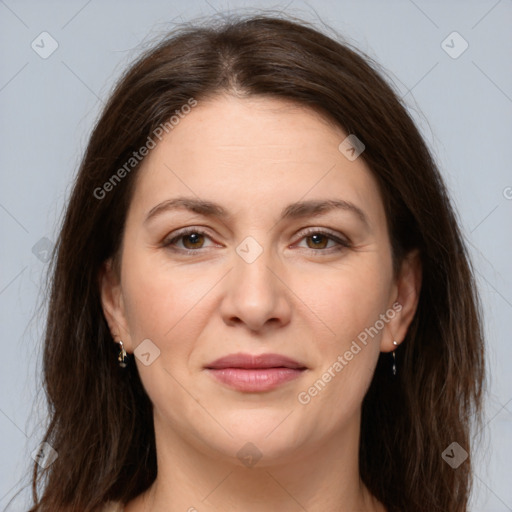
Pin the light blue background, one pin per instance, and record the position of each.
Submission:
(47, 106)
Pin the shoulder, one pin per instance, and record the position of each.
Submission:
(112, 506)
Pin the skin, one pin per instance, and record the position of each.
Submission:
(254, 156)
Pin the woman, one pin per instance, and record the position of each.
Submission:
(260, 296)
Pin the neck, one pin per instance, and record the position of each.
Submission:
(323, 476)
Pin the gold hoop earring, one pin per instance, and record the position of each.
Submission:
(122, 358)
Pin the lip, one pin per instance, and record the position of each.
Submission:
(255, 373)
(254, 361)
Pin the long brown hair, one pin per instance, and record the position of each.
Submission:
(101, 420)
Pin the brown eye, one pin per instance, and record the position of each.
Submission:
(319, 241)
(187, 241)
(192, 240)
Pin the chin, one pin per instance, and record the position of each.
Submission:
(257, 441)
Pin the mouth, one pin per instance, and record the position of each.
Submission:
(255, 373)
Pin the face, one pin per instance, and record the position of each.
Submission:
(260, 269)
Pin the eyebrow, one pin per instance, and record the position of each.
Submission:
(296, 210)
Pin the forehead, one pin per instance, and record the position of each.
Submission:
(254, 153)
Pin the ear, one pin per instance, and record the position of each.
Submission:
(405, 300)
(113, 304)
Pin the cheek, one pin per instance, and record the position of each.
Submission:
(349, 306)
(158, 297)
(165, 305)
(346, 300)
(332, 394)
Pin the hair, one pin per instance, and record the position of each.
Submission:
(101, 419)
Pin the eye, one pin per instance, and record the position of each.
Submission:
(317, 240)
(192, 240)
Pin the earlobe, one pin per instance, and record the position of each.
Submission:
(408, 287)
(112, 303)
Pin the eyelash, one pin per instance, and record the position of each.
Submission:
(342, 244)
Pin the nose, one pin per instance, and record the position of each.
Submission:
(255, 294)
